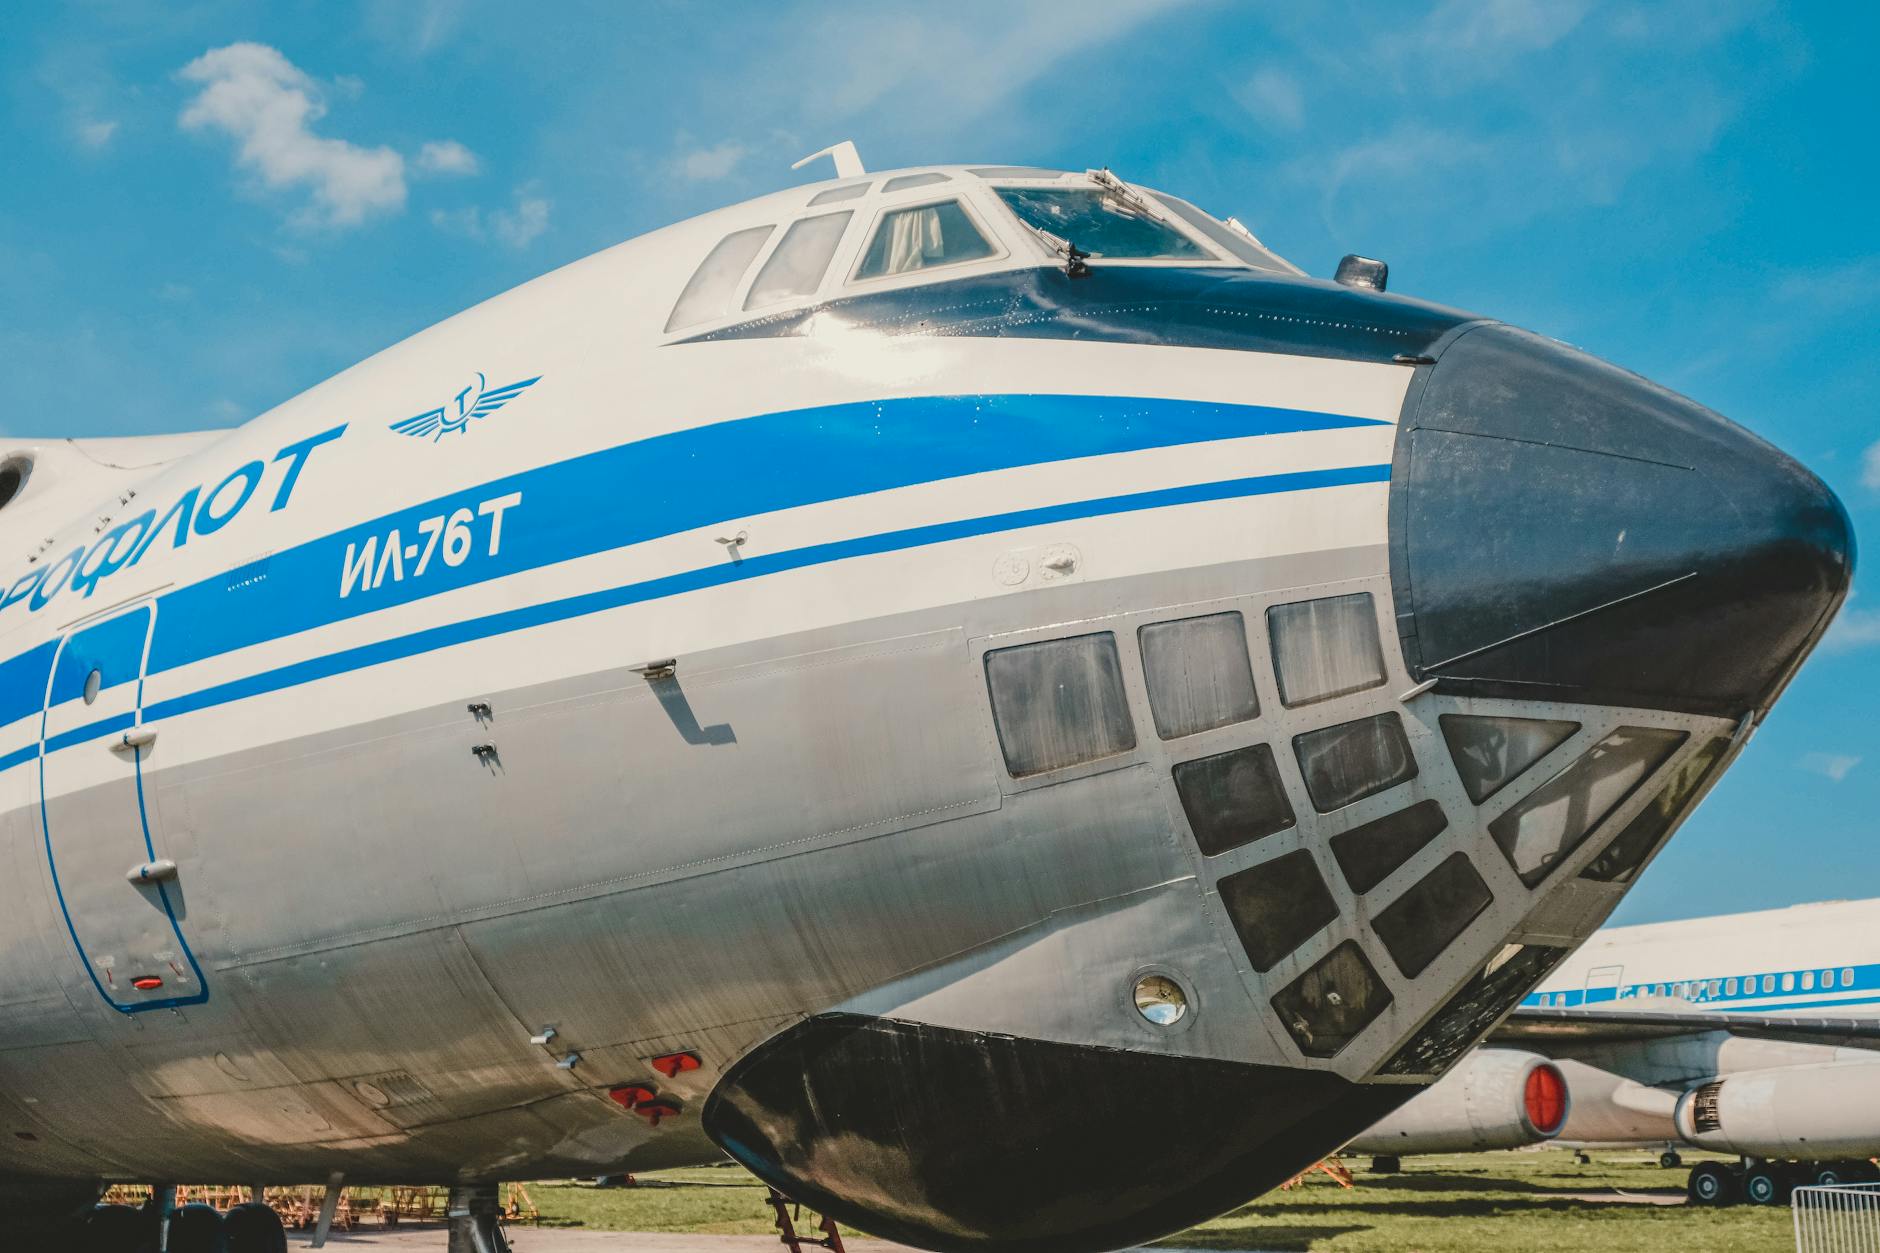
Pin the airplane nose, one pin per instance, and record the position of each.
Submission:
(1564, 530)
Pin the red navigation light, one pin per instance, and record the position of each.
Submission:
(146, 983)
(1546, 1099)
(673, 1065)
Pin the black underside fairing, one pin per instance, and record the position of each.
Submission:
(1564, 530)
(955, 1140)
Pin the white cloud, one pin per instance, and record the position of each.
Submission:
(1273, 96)
(925, 68)
(705, 164)
(518, 226)
(1471, 28)
(96, 135)
(1870, 467)
(447, 156)
(1833, 766)
(256, 96)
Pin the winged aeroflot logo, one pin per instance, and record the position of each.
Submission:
(475, 401)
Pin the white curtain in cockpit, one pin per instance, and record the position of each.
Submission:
(914, 237)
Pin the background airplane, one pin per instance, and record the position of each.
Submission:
(1756, 1034)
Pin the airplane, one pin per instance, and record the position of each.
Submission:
(980, 692)
(1756, 1034)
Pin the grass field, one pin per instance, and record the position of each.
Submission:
(1480, 1203)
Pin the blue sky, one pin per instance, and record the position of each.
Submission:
(210, 207)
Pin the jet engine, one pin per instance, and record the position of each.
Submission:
(1493, 1099)
(1822, 1111)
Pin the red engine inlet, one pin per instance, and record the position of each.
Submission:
(1546, 1099)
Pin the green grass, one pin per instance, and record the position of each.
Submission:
(1478, 1203)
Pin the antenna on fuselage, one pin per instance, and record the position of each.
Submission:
(848, 161)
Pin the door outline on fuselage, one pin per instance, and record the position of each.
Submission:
(1607, 979)
(103, 732)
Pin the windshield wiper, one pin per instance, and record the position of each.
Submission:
(1074, 257)
(1116, 189)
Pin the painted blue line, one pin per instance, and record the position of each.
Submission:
(433, 638)
(677, 482)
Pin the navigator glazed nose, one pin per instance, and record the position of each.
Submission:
(1564, 530)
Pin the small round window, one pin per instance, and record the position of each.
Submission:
(93, 682)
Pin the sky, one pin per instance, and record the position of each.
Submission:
(212, 206)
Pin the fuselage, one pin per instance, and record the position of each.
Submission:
(860, 692)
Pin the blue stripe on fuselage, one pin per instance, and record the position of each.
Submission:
(684, 480)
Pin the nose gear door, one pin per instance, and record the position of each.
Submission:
(121, 903)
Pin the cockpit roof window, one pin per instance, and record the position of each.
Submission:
(707, 294)
(1016, 171)
(1100, 224)
(833, 194)
(921, 238)
(797, 266)
(914, 180)
(1223, 235)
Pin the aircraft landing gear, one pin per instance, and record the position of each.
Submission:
(1670, 1160)
(250, 1227)
(196, 1228)
(116, 1229)
(475, 1217)
(1766, 1183)
(1712, 1183)
(1581, 1156)
(1386, 1165)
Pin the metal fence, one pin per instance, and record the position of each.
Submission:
(1841, 1218)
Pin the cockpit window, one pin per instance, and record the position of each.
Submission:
(1100, 224)
(922, 238)
(913, 180)
(1221, 233)
(708, 294)
(833, 194)
(796, 268)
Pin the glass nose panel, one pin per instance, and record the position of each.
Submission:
(1371, 853)
(1353, 760)
(1549, 824)
(1329, 1004)
(1233, 798)
(1277, 906)
(1489, 752)
(1620, 860)
(1325, 648)
(1198, 674)
(1425, 920)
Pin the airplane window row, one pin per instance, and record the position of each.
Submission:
(1712, 989)
(1199, 675)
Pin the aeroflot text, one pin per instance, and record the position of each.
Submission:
(193, 513)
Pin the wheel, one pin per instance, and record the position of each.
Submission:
(1670, 1160)
(1386, 1165)
(253, 1228)
(118, 1229)
(196, 1228)
(1829, 1174)
(1579, 1155)
(1766, 1184)
(1712, 1183)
